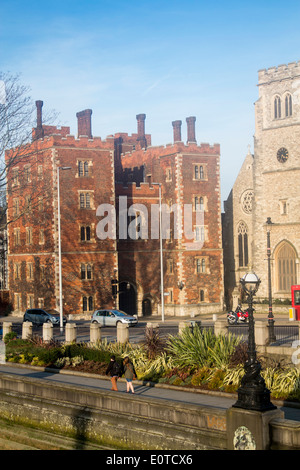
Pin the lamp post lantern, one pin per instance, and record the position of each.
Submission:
(253, 394)
(272, 337)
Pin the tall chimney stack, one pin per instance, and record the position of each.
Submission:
(39, 120)
(191, 129)
(84, 123)
(141, 129)
(177, 131)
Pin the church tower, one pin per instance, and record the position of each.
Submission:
(276, 178)
(267, 188)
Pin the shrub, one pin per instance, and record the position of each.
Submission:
(62, 361)
(147, 369)
(153, 343)
(37, 362)
(178, 381)
(233, 377)
(47, 357)
(204, 348)
(216, 379)
(239, 354)
(201, 376)
(86, 352)
(9, 337)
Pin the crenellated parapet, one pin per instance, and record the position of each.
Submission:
(281, 72)
(144, 190)
(176, 147)
(61, 137)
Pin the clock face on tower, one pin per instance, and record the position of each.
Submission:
(282, 155)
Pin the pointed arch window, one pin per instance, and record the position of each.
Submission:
(288, 105)
(243, 244)
(285, 267)
(277, 107)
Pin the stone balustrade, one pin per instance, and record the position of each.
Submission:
(47, 332)
(26, 330)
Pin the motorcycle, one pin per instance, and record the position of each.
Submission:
(237, 316)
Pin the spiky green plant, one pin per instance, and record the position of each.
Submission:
(197, 348)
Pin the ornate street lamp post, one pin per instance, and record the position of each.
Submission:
(272, 337)
(59, 248)
(253, 394)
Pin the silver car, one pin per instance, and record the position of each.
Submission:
(38, 316)
(112, 318)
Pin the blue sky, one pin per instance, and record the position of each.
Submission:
(167, 59)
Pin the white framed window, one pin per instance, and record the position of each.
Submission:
(17, 271)
(27, 173)
(17, 301)
(201, 265)
(30, 301)
(86, 271)
(199, 233)
(86, 200)
(15, 176)
(30, 275)
(168, 174)
(87, 303)
(17, 237)
(84, 169)
(16, 207)
(200, 171)
(85, 233)
(28, 235)
(40, 172)
(41, 237)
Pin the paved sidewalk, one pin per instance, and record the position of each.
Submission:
(161, 392)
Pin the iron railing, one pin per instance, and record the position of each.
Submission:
(285, 334)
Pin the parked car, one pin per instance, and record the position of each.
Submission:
(39, 316)
(112, 318)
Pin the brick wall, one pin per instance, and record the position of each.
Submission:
(33, 261)
(89, 167)
(200, 270)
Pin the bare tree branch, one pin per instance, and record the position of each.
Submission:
(17, 120)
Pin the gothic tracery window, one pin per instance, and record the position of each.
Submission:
(246, 201)
(277, 107)
(243, 244)
(288, 105)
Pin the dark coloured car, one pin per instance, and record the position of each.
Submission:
(38, 316)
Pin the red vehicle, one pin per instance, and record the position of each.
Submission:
(238, 316)
(296, 301)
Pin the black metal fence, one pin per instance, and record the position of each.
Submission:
(239, 330)
(285, 334)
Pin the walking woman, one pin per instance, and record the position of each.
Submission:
(129, 374)
(114, 369)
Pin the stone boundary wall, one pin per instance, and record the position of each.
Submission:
(124, 421)
(128, 422)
